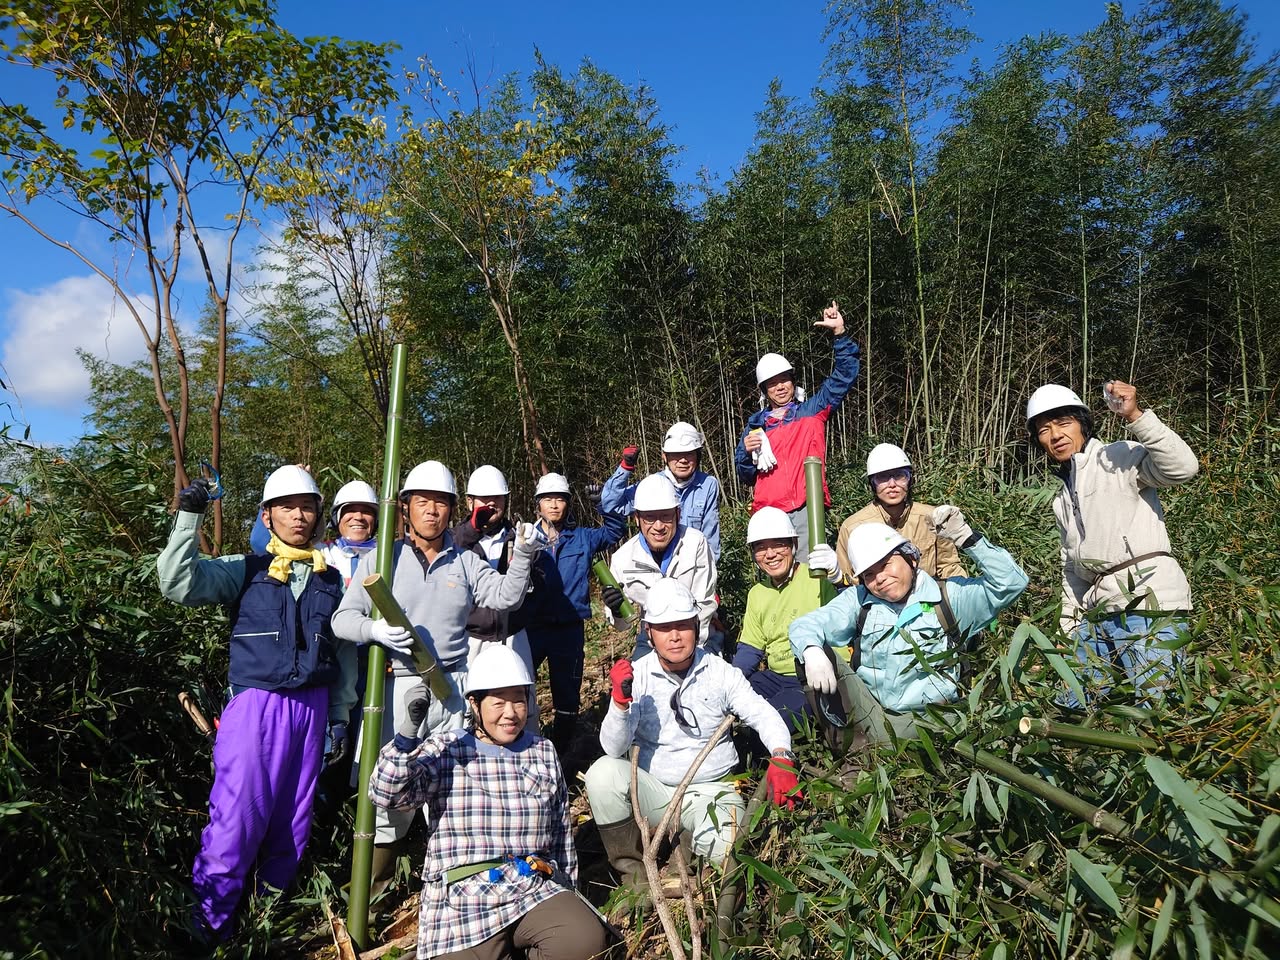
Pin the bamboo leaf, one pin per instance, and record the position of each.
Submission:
(1200, 931)
(1160, 931)
(769, 874)
(1172, 785)
(1094, 880)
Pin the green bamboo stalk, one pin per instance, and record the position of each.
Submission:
(379, 591)
(1039, 727)
(371, 722)
(1097, 816)
(607, 579)
(815, 509)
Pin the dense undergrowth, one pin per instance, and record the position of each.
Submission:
(925, 853)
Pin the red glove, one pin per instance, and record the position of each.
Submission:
(783, 782)
(621, 676)
(481, 516)
(629, 457)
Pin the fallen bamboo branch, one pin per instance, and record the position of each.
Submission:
(728, 899)
(650, 841)
(397, 944)
(1099, 817)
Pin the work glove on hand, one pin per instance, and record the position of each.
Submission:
(613, 599)
(338, 743)
(764, 457)
(783, 782)
(594, 492)
(417, 701)
(629, 457)
(527, 540)
(620, 675)
(392, 637)
(951, 524)
(818, 670)
(823, 557)
(481, 516)
(195, 498)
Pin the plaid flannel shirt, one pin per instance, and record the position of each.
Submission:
(482, 802)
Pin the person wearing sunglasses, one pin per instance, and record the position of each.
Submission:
(1125, 597)
(669, 704)
(909, 633)
(892, 479)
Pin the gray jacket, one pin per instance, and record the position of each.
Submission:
(438, 599)
(1109, 513)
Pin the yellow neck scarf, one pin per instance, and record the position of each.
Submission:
(285, 555)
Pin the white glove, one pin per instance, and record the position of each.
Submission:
(823, 558)
(818, 670)
(527, 539)
(951, 524)
(392, 637)
(764, 458)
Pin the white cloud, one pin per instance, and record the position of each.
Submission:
(44, 328)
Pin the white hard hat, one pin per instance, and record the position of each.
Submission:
(669, 601)
(356, 491)
(769, 523)
(656, 492)
(682, 438)
(289, 480)
(770, 365)
(496, 666)
(430, 475)
(551, 483)
(886, 456)
(869, 543)
(487, 481)
(1052, 396)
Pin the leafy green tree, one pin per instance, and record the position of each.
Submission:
(170, 111)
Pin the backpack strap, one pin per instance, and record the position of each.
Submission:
(855, 659)
(956, 640)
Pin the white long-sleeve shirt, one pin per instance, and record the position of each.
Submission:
(691, 562)
(709, 690)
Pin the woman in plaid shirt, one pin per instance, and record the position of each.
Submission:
(500, 868)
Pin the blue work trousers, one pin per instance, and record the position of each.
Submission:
(1128, 644)
(561, 646)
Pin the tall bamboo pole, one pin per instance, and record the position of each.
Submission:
(371, 722)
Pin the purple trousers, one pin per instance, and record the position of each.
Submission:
(265, 764)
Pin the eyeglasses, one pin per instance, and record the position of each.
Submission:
(689, 726)
(901, 475)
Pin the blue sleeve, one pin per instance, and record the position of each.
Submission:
(711, 518)
(975, 601)
(742, 460)
(837, 386)
(608, 533)
(260, 536)
(833, 625)
(618, 495)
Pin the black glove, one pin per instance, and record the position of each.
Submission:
(613, 599)
(338, 743)
(417, 701)
(594, 491)
(195, 498)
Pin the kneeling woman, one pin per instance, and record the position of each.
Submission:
(905, 627)
(500, 866)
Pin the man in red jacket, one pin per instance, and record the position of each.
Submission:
(778, 438)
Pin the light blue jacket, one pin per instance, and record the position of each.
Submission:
(699, 502)
(890, 666)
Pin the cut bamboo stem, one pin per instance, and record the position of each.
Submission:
(371, 720)
(1097, 816)
(1039, 727)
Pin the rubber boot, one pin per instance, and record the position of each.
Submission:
(622, 847)
(385, 857)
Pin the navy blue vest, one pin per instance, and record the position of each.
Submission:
(278, 643)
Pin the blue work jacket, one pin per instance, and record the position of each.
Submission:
(561, 572)
(699, 502)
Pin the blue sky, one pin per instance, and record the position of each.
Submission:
(709, 65)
